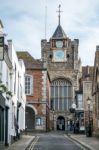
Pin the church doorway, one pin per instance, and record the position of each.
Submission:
(61, 123)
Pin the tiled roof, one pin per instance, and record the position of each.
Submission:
(59, 33)
(24, 55)
(29, 61)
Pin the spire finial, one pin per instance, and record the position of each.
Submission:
(59, 11)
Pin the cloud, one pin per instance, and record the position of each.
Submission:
(24, 23)
(26, 34)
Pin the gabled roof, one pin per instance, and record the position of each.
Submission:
(29, 61)
(59, 32)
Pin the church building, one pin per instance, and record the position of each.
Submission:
(60, 57)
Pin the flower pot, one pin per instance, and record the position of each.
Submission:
(1, 89)
(9, 94)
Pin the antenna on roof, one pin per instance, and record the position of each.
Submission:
(45, 17)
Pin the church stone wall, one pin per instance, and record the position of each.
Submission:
(68, 68)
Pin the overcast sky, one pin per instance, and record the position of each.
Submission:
(24, 23)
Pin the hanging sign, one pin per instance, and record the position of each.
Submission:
(1, 48)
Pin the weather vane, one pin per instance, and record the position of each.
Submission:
(59, 11)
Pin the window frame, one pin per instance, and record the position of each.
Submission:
(65, 95)
(39, 121)
(31, 84)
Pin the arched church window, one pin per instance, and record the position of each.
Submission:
(61, 95)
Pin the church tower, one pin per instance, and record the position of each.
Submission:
(60, 56)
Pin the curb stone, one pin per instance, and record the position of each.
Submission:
(82, 143)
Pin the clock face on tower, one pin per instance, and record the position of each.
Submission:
(59, 55)
(59, 44)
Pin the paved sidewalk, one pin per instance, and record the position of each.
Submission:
(91, 143)
(22, 143)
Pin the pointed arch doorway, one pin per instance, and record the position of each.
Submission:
(61, 123)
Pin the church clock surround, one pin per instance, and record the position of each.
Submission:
(59, 55)
(59, 44)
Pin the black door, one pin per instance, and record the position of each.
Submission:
(60, 123)
(30, 118)
(6, 126)
(1, 125)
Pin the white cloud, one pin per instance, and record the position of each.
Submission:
(24, 24)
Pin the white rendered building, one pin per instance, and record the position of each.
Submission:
(12, 93)
(17, 119)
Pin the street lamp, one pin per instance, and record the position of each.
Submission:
(74, 106)
(89, 127)
(73, 111)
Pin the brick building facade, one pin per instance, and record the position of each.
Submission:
(37, 100)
